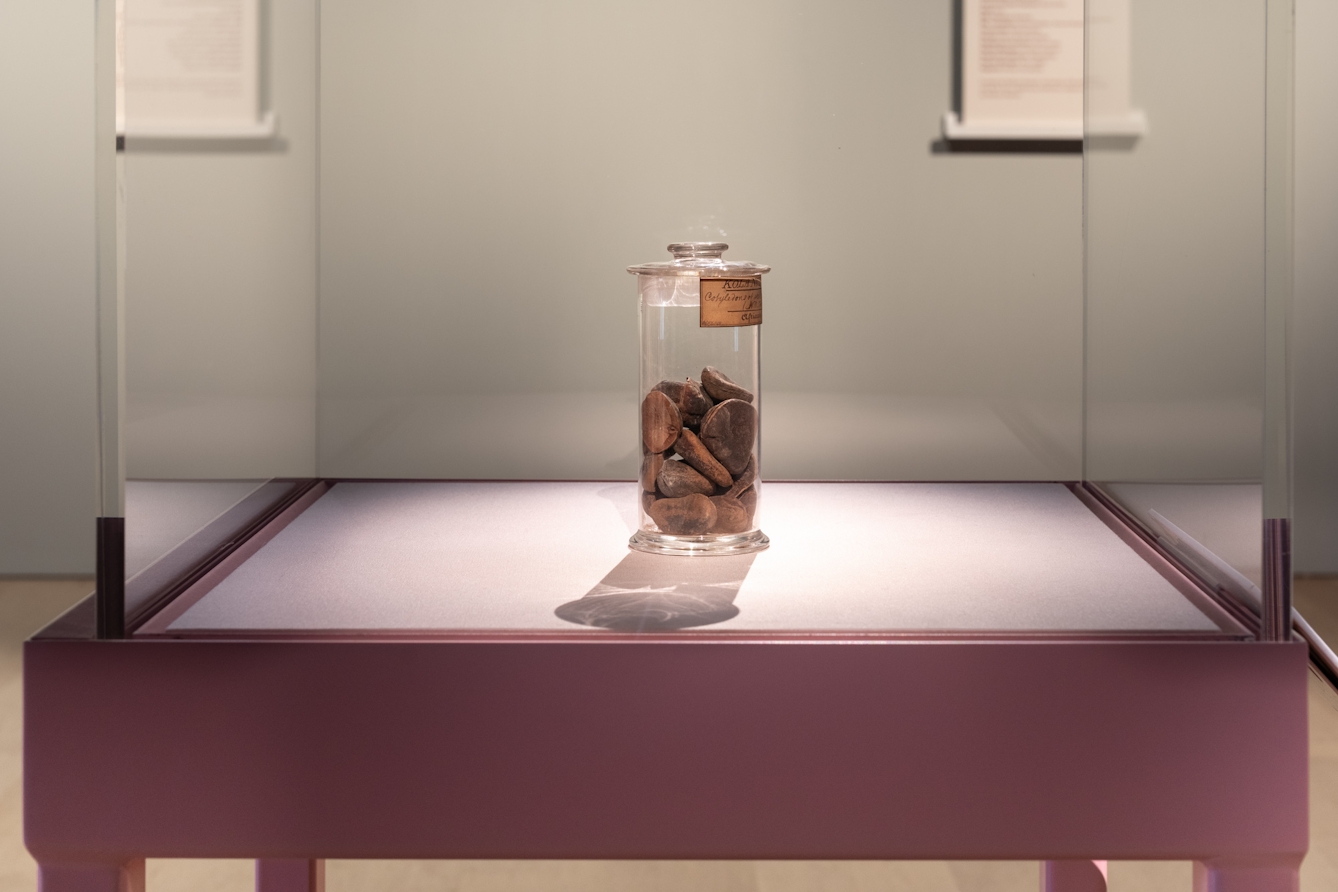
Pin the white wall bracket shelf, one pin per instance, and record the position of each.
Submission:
(258, 131)
(1128, 126)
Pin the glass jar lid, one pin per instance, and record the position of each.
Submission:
(699, 259)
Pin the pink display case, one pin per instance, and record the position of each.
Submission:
(369, 407)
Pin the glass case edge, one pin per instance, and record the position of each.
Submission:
(110, 334)
(1279, 94)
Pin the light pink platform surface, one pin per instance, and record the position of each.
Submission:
(975, 557)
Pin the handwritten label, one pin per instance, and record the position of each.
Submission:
(1023, 61)
(188, 63)
(730, 303)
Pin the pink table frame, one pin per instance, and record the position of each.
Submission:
(673, 746)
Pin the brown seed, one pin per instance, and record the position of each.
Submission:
(689, 516)
(647, 499)
(650, 469)
(676, 480)
(728, 430)
(746, 478)
(693, 400)
(671, 389)
(697, 455)
(748, 498)
(730, 515)
(660, 422)
(721, 388)
(687, 395)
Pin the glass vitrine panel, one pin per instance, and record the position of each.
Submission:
(1183, 396)
(382, 246)
(219, 273)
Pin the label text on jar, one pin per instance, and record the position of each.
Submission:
(730, 303)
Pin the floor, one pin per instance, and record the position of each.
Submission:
(26, 605)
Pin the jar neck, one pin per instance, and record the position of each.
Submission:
(698, 250)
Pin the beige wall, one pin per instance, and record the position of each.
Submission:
(489, 170)
(47, 287)
(1175, 266)
(1315, 315)
(221, 286)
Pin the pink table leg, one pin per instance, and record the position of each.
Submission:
(290, 875)
(58, 877)
(1224, 876)
(1073, 876)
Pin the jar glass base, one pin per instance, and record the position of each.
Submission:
(653, 542)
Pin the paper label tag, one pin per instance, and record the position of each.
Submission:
(730, 303)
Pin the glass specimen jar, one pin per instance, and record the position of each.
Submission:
(701, 445)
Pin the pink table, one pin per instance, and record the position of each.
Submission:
(225, 728)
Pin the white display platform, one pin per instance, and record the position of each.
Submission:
(860, 557)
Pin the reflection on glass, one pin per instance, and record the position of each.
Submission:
(1215, 528)
(1175, 283)
(219, 280)
(161, 514)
